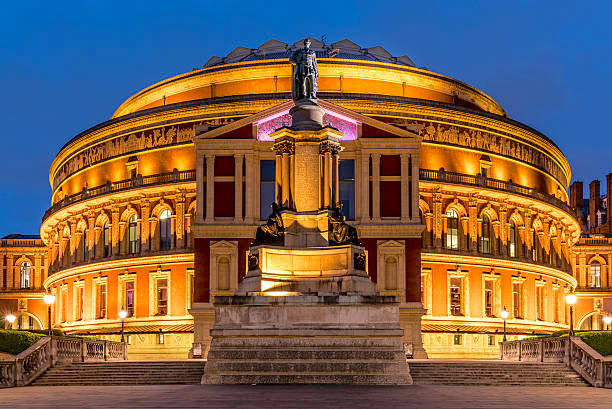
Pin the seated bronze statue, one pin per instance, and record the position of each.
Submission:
(339, 231)
(272, 231)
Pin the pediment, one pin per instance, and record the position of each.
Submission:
(273, 45)
(352, 124)
(391, 244)
(224, 244)
(346, 45)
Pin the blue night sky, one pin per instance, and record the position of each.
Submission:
(66, 66)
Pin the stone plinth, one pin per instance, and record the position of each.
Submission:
(307, 339)
(319, 270)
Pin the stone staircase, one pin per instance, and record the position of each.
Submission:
(296, 360)
(500, 373)
(124, 373)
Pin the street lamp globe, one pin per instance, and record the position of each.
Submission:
(504, 314)
(122, 314)
(570, 299)
(49, 299)
(608, 320)
(11, 318)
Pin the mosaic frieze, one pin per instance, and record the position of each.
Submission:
(126, 144)
(485, 141)
(266, 127)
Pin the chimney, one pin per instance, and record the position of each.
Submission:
(577, 200)
(594, 204)
(609, 193)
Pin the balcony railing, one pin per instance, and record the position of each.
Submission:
(21, 243)
(442, 175)
(111, 187)
(594, 241)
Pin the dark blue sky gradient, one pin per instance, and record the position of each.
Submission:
(65, 66)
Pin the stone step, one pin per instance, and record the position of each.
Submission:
(261, 354)
(308, 378)
(304, 366)
(304, 343)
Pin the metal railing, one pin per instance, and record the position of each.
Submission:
(573, 351)
(21, 243)
(175, 176)
(442, 175)
(48, 352)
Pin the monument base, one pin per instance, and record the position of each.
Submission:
(307, 339)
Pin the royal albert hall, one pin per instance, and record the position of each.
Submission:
(458, 206)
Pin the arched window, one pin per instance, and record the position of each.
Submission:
(391, 273)
(165, 235)
(223, 273)
(25, 273)
(595, 274)
(485, 237)
(132, 238)
(106, 239)
(512, 240)
(452, 230)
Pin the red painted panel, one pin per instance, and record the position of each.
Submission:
(413, 270)
(245, 132)
(201, 277)
(243, 249)
(370, 246)
(390, 199)
(224, 166)
(390, 165)
(368, 131)
(224, 199)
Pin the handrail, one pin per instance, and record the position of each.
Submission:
(442, 175)
(49, 351)
(573, 351)
(110, 187)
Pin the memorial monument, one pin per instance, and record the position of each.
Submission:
(307, 311)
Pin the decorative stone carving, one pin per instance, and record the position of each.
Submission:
(339, 231)
(305, 73)
(272, 232)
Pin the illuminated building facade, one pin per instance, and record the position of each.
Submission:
(492, 200)
(593, 255)
(23, 270)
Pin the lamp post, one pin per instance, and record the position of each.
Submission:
(504, 315)
(10, 318)
(570, 299)
(608, 321)
(122, 315)
(49, 300)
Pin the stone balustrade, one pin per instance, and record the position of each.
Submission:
(575, 353)
(48, 352)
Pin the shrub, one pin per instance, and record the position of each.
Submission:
(56, 332)
(14, 342)
(600, 341)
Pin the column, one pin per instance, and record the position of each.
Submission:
(250, 184)
(9, 271)
(279, 178)
(2, 283)
(238, 159)
(285, 179)
(91, 235)
(327, 166)
(473, 224)
(376, 186)
(180, 220)
(145, 232)
(335, 176)
(37, 270)
(437, 221)
(414, 181)
(74, 241)
(200, 193)
(172, 231)
(210, 187)
(581, 270)
(405, 185)
(115, 229)
(364, 183)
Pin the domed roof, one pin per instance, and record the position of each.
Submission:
(274, 49)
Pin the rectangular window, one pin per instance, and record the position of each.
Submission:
(390, 198)
(346, 173)
(162, 296)
(129, 298)
(488, 296)
(224, 166)
(455, 296)
(78, 303)
(491, 340)
(267, 181)
(516, 300)
(101, 301)
(457, 339)
(540, 302)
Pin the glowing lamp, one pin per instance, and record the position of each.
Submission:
(11, 318)
(122, 314)
(49, 299)
(608, 320)
(504, 314)
(570, 299)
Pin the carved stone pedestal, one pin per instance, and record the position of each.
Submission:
(307, 339)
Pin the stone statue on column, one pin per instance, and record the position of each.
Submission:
(305, 73)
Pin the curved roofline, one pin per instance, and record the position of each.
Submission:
(324, 95)
(323, 61)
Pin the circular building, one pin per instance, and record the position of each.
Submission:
(491, 200)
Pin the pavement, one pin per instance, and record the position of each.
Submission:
(305, 396)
